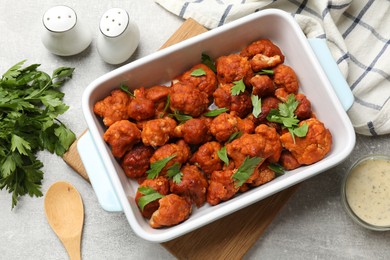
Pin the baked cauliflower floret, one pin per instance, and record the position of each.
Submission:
(193, 185)
(180, 150)
(172, 210)
(264, 47)
(113, 108)
(194, 131)
(241, 104)
(159, 95)
(206, 157)
(233, 68)
(273, 141)
(206, 83)
(141, 108)
(262, 86)
(135, 162)
(222, 186)
(122, 136)
(186, 99)
(311, 148)
(159, 184)
(288, 161)
(261, 61)
(157, 132)
(225, 124)
(263, 144)
(285, 77)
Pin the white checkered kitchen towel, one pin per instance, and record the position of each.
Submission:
(357, 33)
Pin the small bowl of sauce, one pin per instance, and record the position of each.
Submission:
(365, 192)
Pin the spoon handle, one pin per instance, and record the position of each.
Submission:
(73, 247)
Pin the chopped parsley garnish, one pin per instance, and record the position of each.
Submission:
(233, 136)
(238, 87)
(285, 115)
(265, 72)
(256, 103)
(180, 117)
(246, 170)
(166, 106)
(157, 166)
(127, 90)
(208, 61)
(222, 154)
(215, 112)
(174, 172)
(150, 195)
(198, 72)
(277, 168)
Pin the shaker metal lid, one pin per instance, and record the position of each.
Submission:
(60, 19)
(114, 22)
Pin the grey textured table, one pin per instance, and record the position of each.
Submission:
(312, 225)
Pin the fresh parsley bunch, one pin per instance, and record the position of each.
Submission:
(30, 102)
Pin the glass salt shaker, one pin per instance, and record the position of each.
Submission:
(119, 36)
(64, 33)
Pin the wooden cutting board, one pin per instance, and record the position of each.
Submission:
(228, 238)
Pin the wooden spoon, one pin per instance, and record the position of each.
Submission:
(65, 214)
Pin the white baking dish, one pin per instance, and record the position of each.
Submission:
(116, 192)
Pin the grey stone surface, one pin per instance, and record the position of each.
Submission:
(312, 225)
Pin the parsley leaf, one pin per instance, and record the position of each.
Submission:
(167, 103)
(174, 172)
(208, 61)
(215, 112)
(285, 115)
(265, 72)
(180, 117)
(222, 154)
(238, 87)
(157, 166)
(246, 170)
(277, 168)
(30, 102)
(198, 72)
(20, 144)
(256, 103)
(127, 90)
(234, 136)
(150, 195)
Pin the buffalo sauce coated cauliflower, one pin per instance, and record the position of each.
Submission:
(180, 150)
(213, 132)
(135, 162)
(206, 157)
(158, 131)
(122, 136)
(285, 77)
(159, 184)
(222, 186)
(172, 210)
(233, 68)
(188, 100)
(113, 107)
(264, 47)
(192, 186)
(311, 148)
(206, 82)
(241, 104)
(194, 131)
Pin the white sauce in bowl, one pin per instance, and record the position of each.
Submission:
(367, 191)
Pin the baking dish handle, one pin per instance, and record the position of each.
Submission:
(97, 174)
(337, 80)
